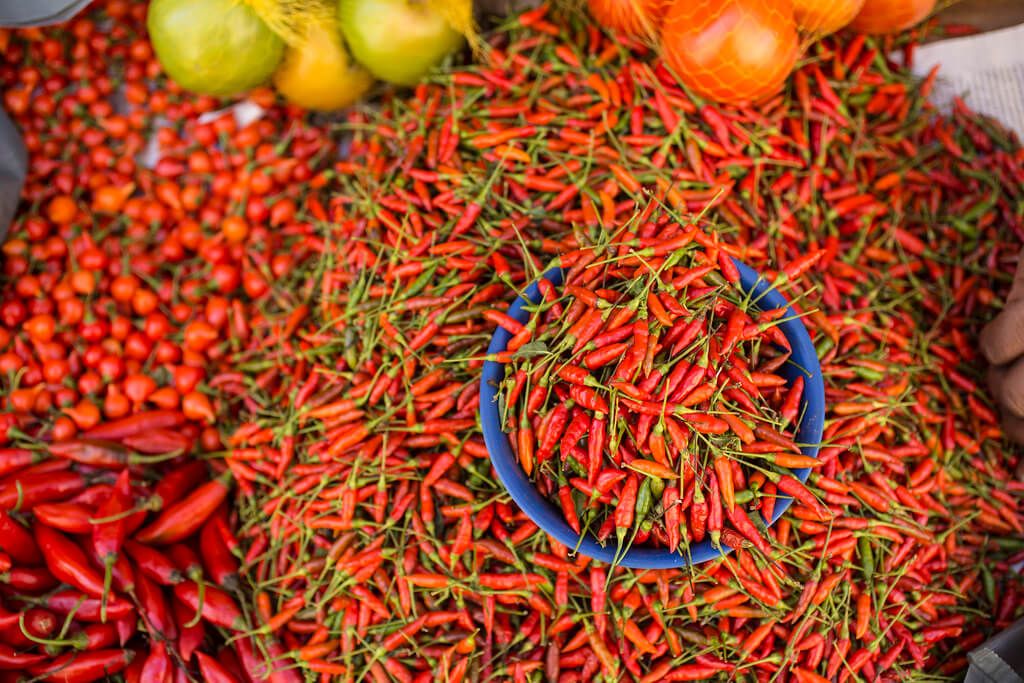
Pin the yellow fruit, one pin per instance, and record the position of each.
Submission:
(318, 73)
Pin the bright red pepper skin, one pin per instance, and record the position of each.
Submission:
(220, 565)
(217, 607)
(67, 562)
(42, 487)
(16, 541)
(87, 608)
(182, 519)
(136, 424)
(13, 660)
(190, 635)
(158, 666)
(83, 667)
(155, 610)
(177, 483)
(212, 670)
(108, 535)
(153, 563)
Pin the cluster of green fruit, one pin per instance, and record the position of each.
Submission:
(226, 47)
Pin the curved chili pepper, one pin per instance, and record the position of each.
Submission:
(43, 487)
(93, 452)
(12, 660)
(72, 518)
(17, 542)
(212, 670)
(67, 562)
(191, 632)
(216, 607)
(183, 518)
(109, 530)
(177, 483)
(29, 580)
(14, 459)
(82, 667)
(153, 563)
(221, 566)
(154, 609)
(158, 666)
(136, 423)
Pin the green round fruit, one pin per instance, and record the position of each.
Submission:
(397, 40)
(213, 47)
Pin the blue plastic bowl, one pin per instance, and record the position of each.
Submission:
(804, 361)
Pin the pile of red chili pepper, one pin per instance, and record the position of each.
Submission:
(666, 370)
(335, 315)
(366, 487)
(125, 288)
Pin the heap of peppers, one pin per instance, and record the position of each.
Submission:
(120, 283)
(388, 518)
(667, 373)
(315, 328)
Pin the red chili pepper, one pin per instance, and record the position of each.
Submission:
(155, 610)
(17, 542)
(30, 490)
(14, 459)
(714, 520)
(624, 509)
(698, 514)
(87, 608)
(136, 424)
(739, 520)
(221, 566)
(67, 562)
(215, 606)
(82, 667)
(109, 534)
(153, 563)
(191, 633)
(183, 518)
(212, 670)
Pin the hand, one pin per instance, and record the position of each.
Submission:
(1002, 343)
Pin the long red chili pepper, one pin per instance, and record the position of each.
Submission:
(82, 667)
(183, 518)
(67, 562)
(216, 606)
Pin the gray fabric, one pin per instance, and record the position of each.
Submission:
(24, 13)
(13, 158)
(1000, 659)
(989, 667)
(13, 165)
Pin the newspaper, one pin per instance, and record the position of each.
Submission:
(986, 70)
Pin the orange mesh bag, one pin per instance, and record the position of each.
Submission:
(731, 50)
(636, 18)
(891, 16)
(821, 17)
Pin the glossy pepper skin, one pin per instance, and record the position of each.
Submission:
(184, 518)
(67, 562)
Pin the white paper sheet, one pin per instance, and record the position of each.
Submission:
(986, 70)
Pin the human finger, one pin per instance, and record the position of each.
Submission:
(1013, 428)
(1017, 288)
(1007, 386)
(1002, 340)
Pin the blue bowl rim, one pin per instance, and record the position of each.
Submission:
(804, 361)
